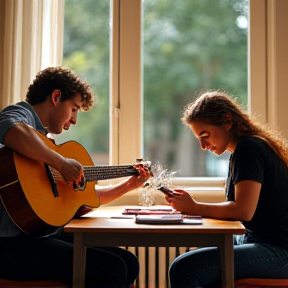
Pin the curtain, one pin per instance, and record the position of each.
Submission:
(31, 39)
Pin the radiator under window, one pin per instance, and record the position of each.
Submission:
(154, 265)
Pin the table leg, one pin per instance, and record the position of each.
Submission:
(227, 262)
(79, 261)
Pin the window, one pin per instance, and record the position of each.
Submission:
(268, 65)
(184, 46)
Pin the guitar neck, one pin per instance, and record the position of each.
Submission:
(95, 173)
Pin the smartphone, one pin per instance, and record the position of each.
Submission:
(167, 191)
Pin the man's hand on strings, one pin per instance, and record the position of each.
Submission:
(72, 171)
(142, 177)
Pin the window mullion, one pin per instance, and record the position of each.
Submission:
(126, 133)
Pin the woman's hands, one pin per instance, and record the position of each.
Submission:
(243, 208)
(183, 203)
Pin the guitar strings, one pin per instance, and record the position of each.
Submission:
(94, 173)
(107, 172)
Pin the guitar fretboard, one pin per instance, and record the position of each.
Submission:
(95, 173)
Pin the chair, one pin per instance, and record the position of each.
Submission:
(32, 284)
(261, 283)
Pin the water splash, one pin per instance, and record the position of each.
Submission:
(161, 176)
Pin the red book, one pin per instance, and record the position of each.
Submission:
(149, 211)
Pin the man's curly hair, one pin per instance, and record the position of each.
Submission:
(63, 79)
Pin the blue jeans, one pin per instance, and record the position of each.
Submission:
(200, 268)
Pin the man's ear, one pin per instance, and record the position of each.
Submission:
(56, 96)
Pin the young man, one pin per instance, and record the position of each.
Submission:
(52, 104)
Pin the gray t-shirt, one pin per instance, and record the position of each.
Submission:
(21, 112)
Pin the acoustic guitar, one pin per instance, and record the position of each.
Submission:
(37, 198)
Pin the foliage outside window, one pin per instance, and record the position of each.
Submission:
(189, 46)
(86, 52)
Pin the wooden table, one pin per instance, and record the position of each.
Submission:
(105, 227)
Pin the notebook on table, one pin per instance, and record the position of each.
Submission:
(168, 219)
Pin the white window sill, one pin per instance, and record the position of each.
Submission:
(202, 189)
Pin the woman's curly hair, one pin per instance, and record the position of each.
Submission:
(218, 108)
(63, 79)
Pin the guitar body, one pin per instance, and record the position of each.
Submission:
(27, 195)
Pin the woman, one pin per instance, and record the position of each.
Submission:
(256, 191)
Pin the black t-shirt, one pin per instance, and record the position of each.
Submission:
(253, 159)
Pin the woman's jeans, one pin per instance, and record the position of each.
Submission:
(201, 267)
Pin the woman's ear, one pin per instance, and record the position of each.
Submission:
(56, 96)
(228, 121)
(228, 126)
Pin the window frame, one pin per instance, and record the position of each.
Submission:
(268, 62)
(126, 82)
